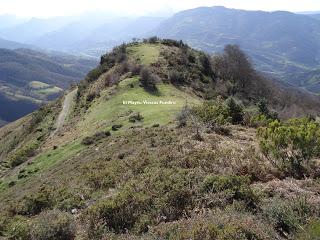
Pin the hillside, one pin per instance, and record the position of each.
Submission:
(11, 45)
(270, 38)
(159, 142)
(29, 78)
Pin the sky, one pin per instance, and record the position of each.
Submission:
(50, 8)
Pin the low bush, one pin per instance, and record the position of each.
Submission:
(53, 225)
(288, 215)
(176, 77)
(91, 96)
(116, 127)
(218, 225)
(18, 227)
(213, 112)
(182, 116)
(136, 117)
(310, 231)
(235, 187)
(157, 195)
(95, 138)
(291, 145)
(35, 203)
(21, 155)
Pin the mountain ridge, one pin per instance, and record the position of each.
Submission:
(149, 171)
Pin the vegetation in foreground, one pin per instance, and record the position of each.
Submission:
(221, 163)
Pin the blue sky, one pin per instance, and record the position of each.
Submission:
(49, 8)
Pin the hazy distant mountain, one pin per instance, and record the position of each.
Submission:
(28, 78)
(33, 28)
(12, 45)
(316, 16)
(281, 43)
(95, 37)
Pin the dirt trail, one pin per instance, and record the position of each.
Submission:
(65, 110)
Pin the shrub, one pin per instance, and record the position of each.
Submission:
(53, 225)
(120, 213)
(112, 78)
(311, 231)
(95, 138)
(176, 77)
(287, 216)
(206, 65)
(152, 40)
(148, 80)
(172, 43)
(91, 96)
(213, 112)
(264, 110)
(21, 155)
(94, 74)
(182, 117)
(18, 228)
(235, 111)
(218, 225)
(291, 145)
(157, 194)
(236, 187)
(137, 117)
(38, 117)
(35, 203)
(116, 127)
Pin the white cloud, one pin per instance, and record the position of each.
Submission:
(48, 8)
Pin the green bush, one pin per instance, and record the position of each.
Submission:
(21, 155)
(159, 193)
(236, 188)
(287, 216)
(291, 145)
(310, 231)
(136, 117)
(95, 138)
(176, 77)
(35, 203)
(235, 111)
(53, 225)
(213, 112)
(18, 228)
(264, 110)
(122, 212)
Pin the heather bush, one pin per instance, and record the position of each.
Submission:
(95, 138)
(53, 225)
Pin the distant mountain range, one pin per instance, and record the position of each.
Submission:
(283, 44)
(12, 45)
(29, 78)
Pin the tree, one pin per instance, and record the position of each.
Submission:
(235, 66)
(235, 111)
(148, 79)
